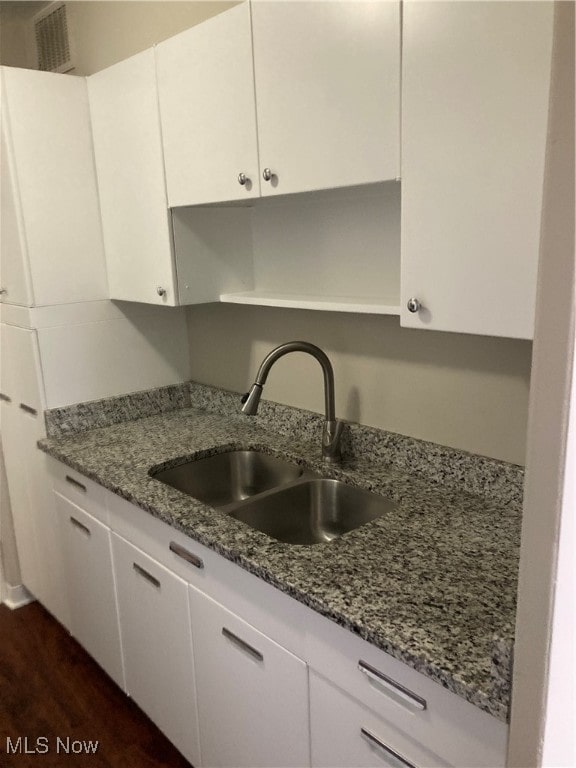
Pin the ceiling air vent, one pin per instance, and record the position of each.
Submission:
(52, 41)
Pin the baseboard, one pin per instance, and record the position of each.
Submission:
(16, 597)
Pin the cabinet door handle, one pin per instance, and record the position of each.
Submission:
(5, 398)
(242, 644)
(391, 685)
(29, 409)
(80, 526)
(75, 483)
(148, 576)
(185, 555)
(388, 751)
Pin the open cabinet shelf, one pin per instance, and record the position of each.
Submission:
(332, 252)
(361, 304)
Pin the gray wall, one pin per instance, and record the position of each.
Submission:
(468, 392)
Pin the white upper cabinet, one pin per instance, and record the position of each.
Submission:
(327, 92)
(14, 272)
(474, 120)
(130, 168)
(52, 249)
(206, 90)
(302, 96)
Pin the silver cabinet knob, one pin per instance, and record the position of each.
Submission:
(413, 304)
(161, 291)
(242, 179)
(267, 174)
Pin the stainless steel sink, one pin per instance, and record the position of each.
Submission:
(230, 477)
(312, 511)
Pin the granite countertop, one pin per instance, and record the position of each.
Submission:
(432, 583)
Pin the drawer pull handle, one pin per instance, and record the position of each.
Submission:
(386, 682)
(29, 409)
(75, 483)
(388, 751)
(5, 398)
(148, 576)
(81, 526)
(241, 644)
(185, 555)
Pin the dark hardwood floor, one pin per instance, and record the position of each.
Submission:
(51, 689)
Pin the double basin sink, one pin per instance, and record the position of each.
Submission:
(283, 500)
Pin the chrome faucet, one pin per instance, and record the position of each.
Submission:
(332, 431)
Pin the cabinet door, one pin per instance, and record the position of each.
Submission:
(17, 477)
(157, 645)
(38, 539)
(252, 693)
(91, 588)
(474, 118)
(206, 91)
(327, 93)
(48, 122)
(14, 273)
(130, 168)
(20, 385)
(20, 369)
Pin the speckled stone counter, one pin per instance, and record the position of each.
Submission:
(433, 583)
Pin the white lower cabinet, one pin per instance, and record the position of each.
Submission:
(91, 589)
(252, 693)
(29, 485)
(346, 734)
(271, 684)
(157, 645)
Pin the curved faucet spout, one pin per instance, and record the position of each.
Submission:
(332, 427)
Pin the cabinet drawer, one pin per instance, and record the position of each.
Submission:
(174, 550)
(406, 700)
(78, 489)
(344, 734)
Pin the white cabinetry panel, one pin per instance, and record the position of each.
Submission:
(32, 503)
(157, 645)
(91, 587)
(206, 90)
(48, 121)
(19, 386)
(327, 93)
(130, 168)
(474, 118)
(36, 524)
(406, 702)
(14, 271)
(16, 461)
(345, 734)
(146, 348)
(20, 371)
(252, 693)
